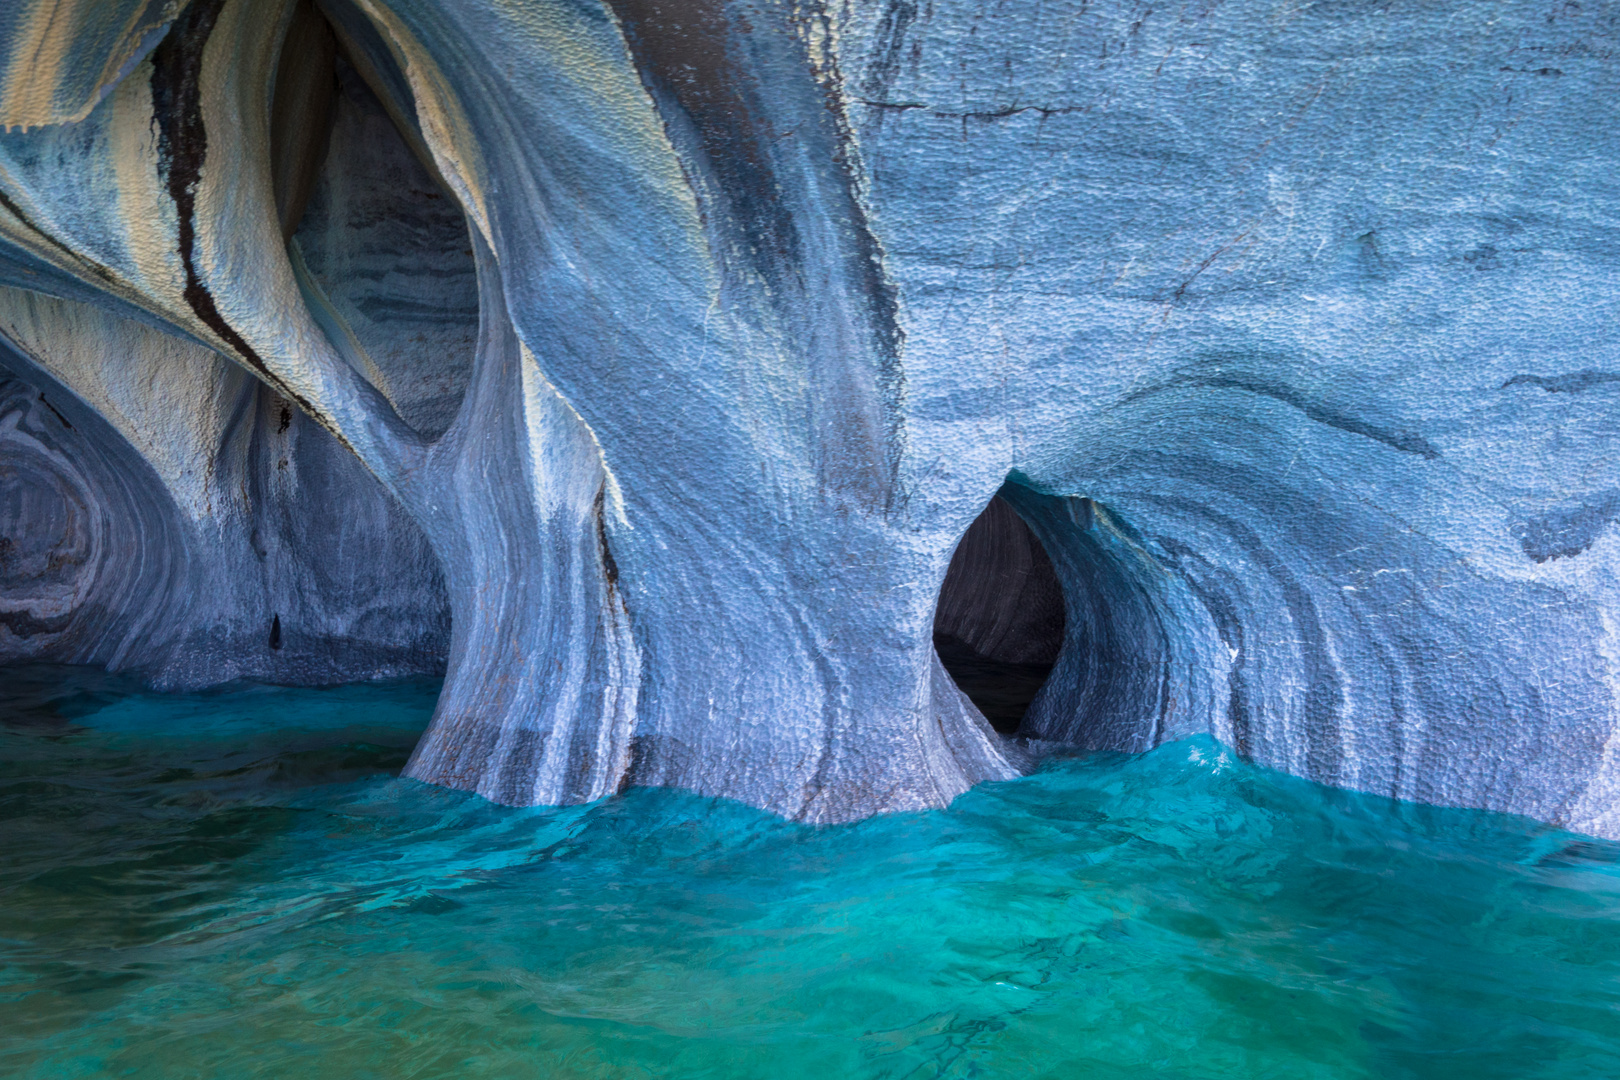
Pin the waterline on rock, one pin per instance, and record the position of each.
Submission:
(237, 883)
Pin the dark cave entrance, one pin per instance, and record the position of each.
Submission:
(1000, 621)
(371, 225)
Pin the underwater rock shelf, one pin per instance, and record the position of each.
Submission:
(642, 364)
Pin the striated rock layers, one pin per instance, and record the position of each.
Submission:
(642, 362)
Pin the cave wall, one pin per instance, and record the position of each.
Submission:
(1314, 301)
(168, 515)
(61, 59)
(389, 247)
(685, 342)
(88, 554)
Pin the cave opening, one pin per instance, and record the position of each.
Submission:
(374, 229)
(999, 624)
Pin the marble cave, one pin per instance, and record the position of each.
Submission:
(830, 408)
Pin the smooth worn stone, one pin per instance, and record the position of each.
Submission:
(644, 363)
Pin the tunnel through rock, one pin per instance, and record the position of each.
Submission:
(88, 544)
(378, 236)
(999, 625)
(1065, 626)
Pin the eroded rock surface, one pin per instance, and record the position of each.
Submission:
(673, 346)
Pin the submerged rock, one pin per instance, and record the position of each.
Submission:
(671, 346)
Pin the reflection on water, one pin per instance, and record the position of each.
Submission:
(236, 884)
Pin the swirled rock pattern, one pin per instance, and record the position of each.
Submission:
(87, 555)
(673, 345)
(1311, 304)
(166, 514)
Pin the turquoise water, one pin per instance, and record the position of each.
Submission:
(235, 885)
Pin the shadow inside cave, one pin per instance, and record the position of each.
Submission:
(1000, 622)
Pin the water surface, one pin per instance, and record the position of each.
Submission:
(236, 884)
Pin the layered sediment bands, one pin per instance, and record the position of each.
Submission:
(170, 527)
(1288, 341)
(90, 544)
(1360, 650)
(60, 58)
(737, 368)
(540, 699)
(1129, 674)
(1325, 349)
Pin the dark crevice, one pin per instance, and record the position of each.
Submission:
(25, 625)
(182, 147)
(301, 112)
(610, 569)
(999, 624)
(77, 259)
(60, 418)
(1573, 383)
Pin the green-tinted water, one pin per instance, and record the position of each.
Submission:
(233, 885)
